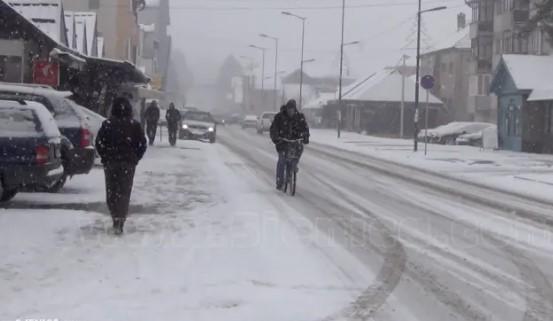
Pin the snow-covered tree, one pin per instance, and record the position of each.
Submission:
(543, 18)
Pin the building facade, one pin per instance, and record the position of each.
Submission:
(117, 25)
(449, 64)
(499, 27)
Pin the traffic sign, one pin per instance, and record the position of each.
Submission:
(427, 82)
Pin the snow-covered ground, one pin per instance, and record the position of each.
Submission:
(207, 240)
(523, 173)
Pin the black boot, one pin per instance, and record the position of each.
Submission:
(118, 224)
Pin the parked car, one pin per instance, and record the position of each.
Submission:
(198, 125)
(474, 139)
(265, 121)
(447, 134)
(71, 123)
(250, 121)
(30, 148)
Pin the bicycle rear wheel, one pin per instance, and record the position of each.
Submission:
(293, 181)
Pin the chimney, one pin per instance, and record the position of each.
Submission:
(461, 21)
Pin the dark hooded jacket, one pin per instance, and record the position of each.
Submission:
(287, 127)
(173, 116)
(152, 113)
(121, 139)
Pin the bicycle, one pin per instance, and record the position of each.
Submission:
(294, 150)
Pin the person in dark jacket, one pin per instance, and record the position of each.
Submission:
(174, 118)
(151, 116)
(121, 144)
(288, 124)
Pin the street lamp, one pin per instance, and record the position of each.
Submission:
(416, 120)
(286, 13)
(342, 45)
(276, 67)
(263, 63)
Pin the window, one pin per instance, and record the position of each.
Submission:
(512, 119)
(93, 4)
(548, 128)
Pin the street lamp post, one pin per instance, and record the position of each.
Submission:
(303, 19)
(262, 64)
(416, 120)
(275, 87)
(343, 45)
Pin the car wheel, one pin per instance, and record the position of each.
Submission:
(6, 195)
(56, 188)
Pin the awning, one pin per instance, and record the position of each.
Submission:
(541, 95)
(142, 91)
(134, 74)
(68, 58)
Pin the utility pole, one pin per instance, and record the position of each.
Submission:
(301, 66)
(402, 112)
(339, 127)
(416, 120)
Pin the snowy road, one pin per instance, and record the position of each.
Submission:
(435, 254)
(211, 239)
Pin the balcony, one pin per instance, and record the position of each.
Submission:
(481, 27)
(483, 65)
(521, 16)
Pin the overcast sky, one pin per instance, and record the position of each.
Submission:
(207, 31)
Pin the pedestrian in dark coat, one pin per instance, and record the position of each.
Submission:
(121, 144)
(288, 124)
(173, 118)
(152, 115)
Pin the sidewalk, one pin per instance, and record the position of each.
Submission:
(525, 174)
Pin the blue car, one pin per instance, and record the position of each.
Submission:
(79, 154)
(30, 148)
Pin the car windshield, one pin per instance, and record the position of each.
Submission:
(198, 116)
(17, 122)
(333, 160)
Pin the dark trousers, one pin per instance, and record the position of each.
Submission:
(151, 131)
(173, 130)
(281, 164)
(119, 182)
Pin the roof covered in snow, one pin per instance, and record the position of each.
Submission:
(47, 15)
(458, 40)
(530, 72)
(320, 101)
(385, 86)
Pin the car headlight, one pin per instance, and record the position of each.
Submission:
(184, 126)
(211, 129)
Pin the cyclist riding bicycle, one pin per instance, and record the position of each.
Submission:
(288, 125)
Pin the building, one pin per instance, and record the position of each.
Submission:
(524, 86)
(499, 27)
(449, 63)
(33, 51)
(116, 23)
(154, 41)
(374, 105)
(482, 39)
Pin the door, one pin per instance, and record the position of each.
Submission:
(510, 122)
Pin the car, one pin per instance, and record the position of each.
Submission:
(30, 148)
(265, 121)
(198, 125)
(475, 139)
(71, 123)
(250, 121)
(447, 134)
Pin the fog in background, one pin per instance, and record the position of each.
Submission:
(205, 32)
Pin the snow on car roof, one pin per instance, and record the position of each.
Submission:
(49, 125)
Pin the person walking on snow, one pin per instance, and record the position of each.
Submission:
(121, 144)
(173, 117)
(152, 115)
(288, 124)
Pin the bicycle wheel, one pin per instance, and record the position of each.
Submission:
(285, 185)
(293, 181)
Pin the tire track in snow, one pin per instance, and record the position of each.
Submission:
(538, 292)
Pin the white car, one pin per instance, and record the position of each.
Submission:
(447, 134)
(250, 121)
(265, 121)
